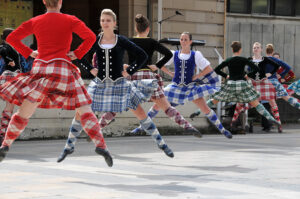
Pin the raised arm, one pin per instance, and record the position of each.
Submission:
(219, 68)
(141, 56)
(85, 34)
(15, 38)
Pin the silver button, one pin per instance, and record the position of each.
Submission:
(103, 57)
(103, 63)
(130, 69)
(103, 69)
(110, 51)
(110, 69)
(110, 57)
(102, 50)
(110, 76)
(110, 63)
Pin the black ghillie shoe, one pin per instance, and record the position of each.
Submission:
(106, 155)
(167, 151)
(227, 134)
(64, 154)
(3, 151)
(193, 115)
(193, 131)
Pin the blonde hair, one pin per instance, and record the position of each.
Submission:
(51, 3)
(257, 43)
(110, 13)
(269, 48)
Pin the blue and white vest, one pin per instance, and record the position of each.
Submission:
(184, 69)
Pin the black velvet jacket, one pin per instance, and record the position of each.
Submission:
(110, 61)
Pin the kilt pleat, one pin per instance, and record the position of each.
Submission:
(8, 75)
(280, 90)
(55, 85)
(147, 74)
(265, 88)
(236, 91)
(120, 95)
(295, 86)
(180, 94)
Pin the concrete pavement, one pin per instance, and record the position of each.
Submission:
(213, 167)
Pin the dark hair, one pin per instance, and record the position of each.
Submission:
(276, 53)
(189, 34)
(236, 46)
(141, 23)
(5, 33)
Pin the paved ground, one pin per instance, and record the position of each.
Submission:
(252, 166)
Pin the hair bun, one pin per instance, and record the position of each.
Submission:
(139, 18)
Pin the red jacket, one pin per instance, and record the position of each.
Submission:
(53, 32)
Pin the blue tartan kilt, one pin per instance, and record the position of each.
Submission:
(280, 90)
(120, 95)
(205, 86)
(295, 86)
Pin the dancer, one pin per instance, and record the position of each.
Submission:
(110, 90)
(150, 45)
(262, 84)
(53, 81)
(12, 67)
(187, 86)
(236, 88)
(280, 90)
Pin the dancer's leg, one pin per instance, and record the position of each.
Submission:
(148, 125)
(211, 115)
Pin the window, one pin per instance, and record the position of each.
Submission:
(297, 11)
(238, 6)
(260, 6)
(283, 7)
(270, 7)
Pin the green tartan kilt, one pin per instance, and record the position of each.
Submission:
(236, 91)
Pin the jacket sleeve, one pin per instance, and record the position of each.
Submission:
(219, 68)
(286, 67)
(164, 51)
(15, 38)
(141, 56)
(85, 34)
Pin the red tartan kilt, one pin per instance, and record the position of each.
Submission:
(56, 85)
(265, 88)
(147, 74)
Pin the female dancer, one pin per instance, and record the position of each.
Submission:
(236, 88)
(11, 68)
(110, 90)
(150, 45)
(187, 86)
(280, 90)
(53, 81)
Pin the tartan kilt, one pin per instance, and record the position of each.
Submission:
(236, 91)
(280, 90)
(211, 79)
(56, 84)
(8, 75)
(295, 86)
(265, 88)
(147, 74)
(120, 95)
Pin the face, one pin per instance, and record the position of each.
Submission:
(107, 22)
(185, 40)
(276, 56)
(257, 49)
